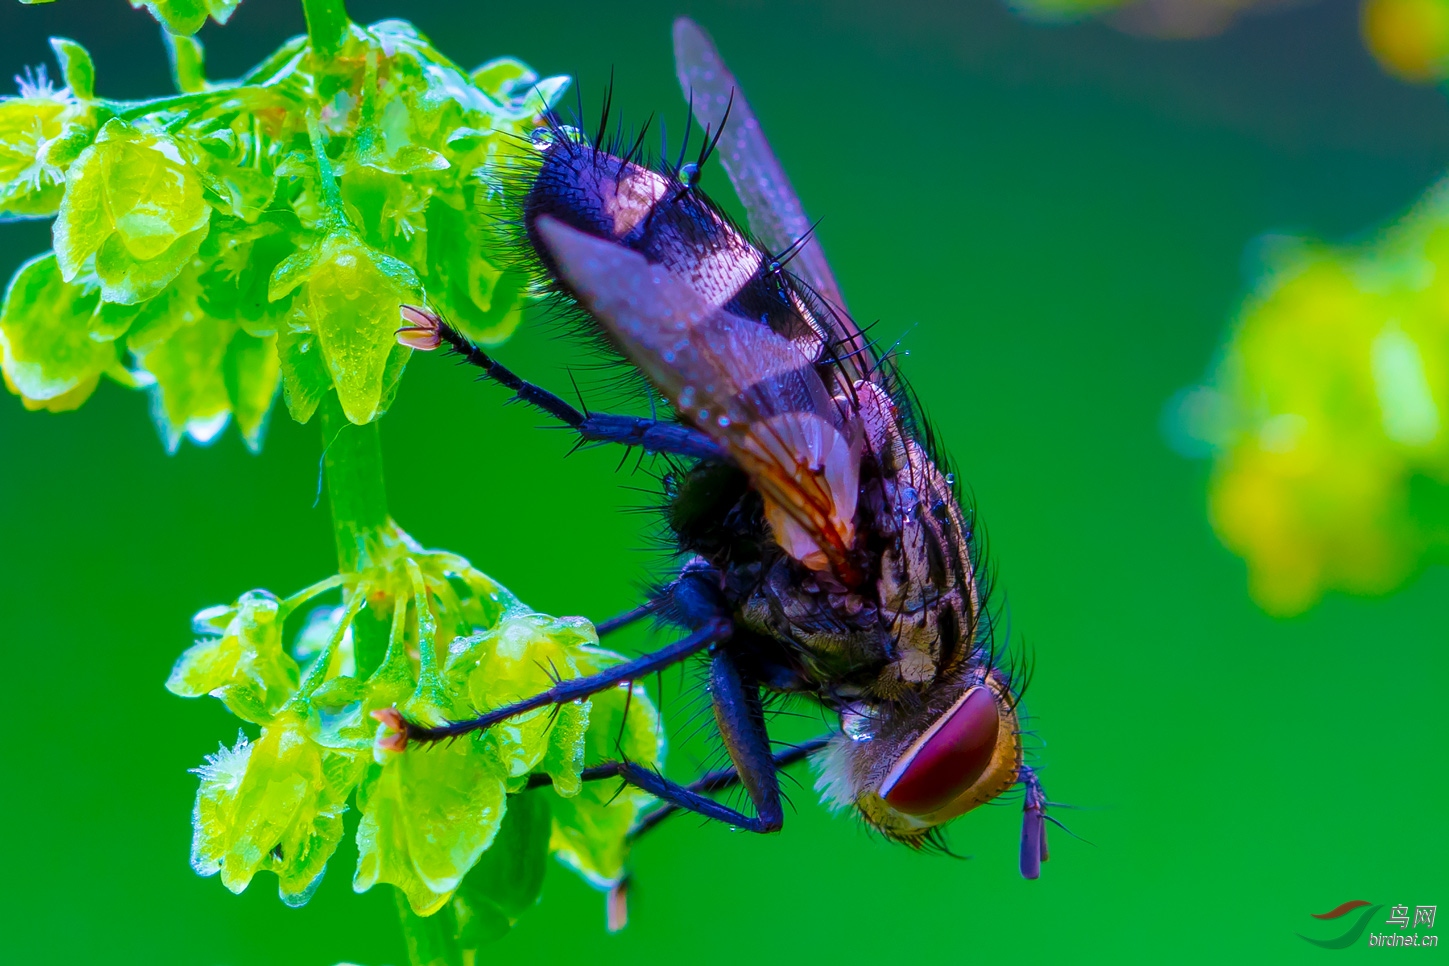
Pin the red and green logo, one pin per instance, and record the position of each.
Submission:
(1355, 930)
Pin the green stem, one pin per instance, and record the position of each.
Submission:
(321, 668)
(353, 463)
(336, 216)
(326, 25)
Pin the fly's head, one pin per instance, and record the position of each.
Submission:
(912, 764)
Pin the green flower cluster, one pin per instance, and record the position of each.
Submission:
(425, 633)
(260, 233)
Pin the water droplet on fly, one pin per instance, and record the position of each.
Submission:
(689, 174)
(857, 727)
(541, 138)
(950, 479)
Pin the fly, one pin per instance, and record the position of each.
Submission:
(824, 547)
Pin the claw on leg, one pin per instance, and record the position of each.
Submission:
(616, 908)
(395, 735)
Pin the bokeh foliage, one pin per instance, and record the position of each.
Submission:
(1326, 414)
(1409, 38)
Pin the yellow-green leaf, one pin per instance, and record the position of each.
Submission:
(427, 815)
(49, 350)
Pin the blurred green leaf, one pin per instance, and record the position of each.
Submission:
(76, 67)
(187, 351)
(187, 16)
(49, 349)
(483, 300)
(504, 884)
(253, 374)
(188, 62)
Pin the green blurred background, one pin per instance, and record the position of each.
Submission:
(1055, 220)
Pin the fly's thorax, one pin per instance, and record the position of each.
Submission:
(910, 765)
(654, 214)
(591, 191)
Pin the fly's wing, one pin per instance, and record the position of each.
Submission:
(776, 216)
(749, 388)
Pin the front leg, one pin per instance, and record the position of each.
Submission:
(427, 331)
(563, 692)
(693, 600)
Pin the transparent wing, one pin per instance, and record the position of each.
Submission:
(749, 388)
(776, 217)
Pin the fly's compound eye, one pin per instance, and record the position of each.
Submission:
(946, 760)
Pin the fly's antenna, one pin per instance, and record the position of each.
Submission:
(604, 114)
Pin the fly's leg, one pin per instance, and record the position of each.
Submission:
(740, 715)
(1033, 825)
(711, 782)
(565, 691)
(694, 600)
(717, 781)
(629, 616)
(427, 331)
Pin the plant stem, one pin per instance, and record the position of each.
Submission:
(353, 463)
(336, 216)
(326, 25)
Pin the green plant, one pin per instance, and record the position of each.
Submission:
(244, 239)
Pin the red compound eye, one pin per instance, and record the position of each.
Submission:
(947, 759)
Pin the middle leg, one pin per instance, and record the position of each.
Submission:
(739, 713)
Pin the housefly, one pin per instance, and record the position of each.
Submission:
(824, 549)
